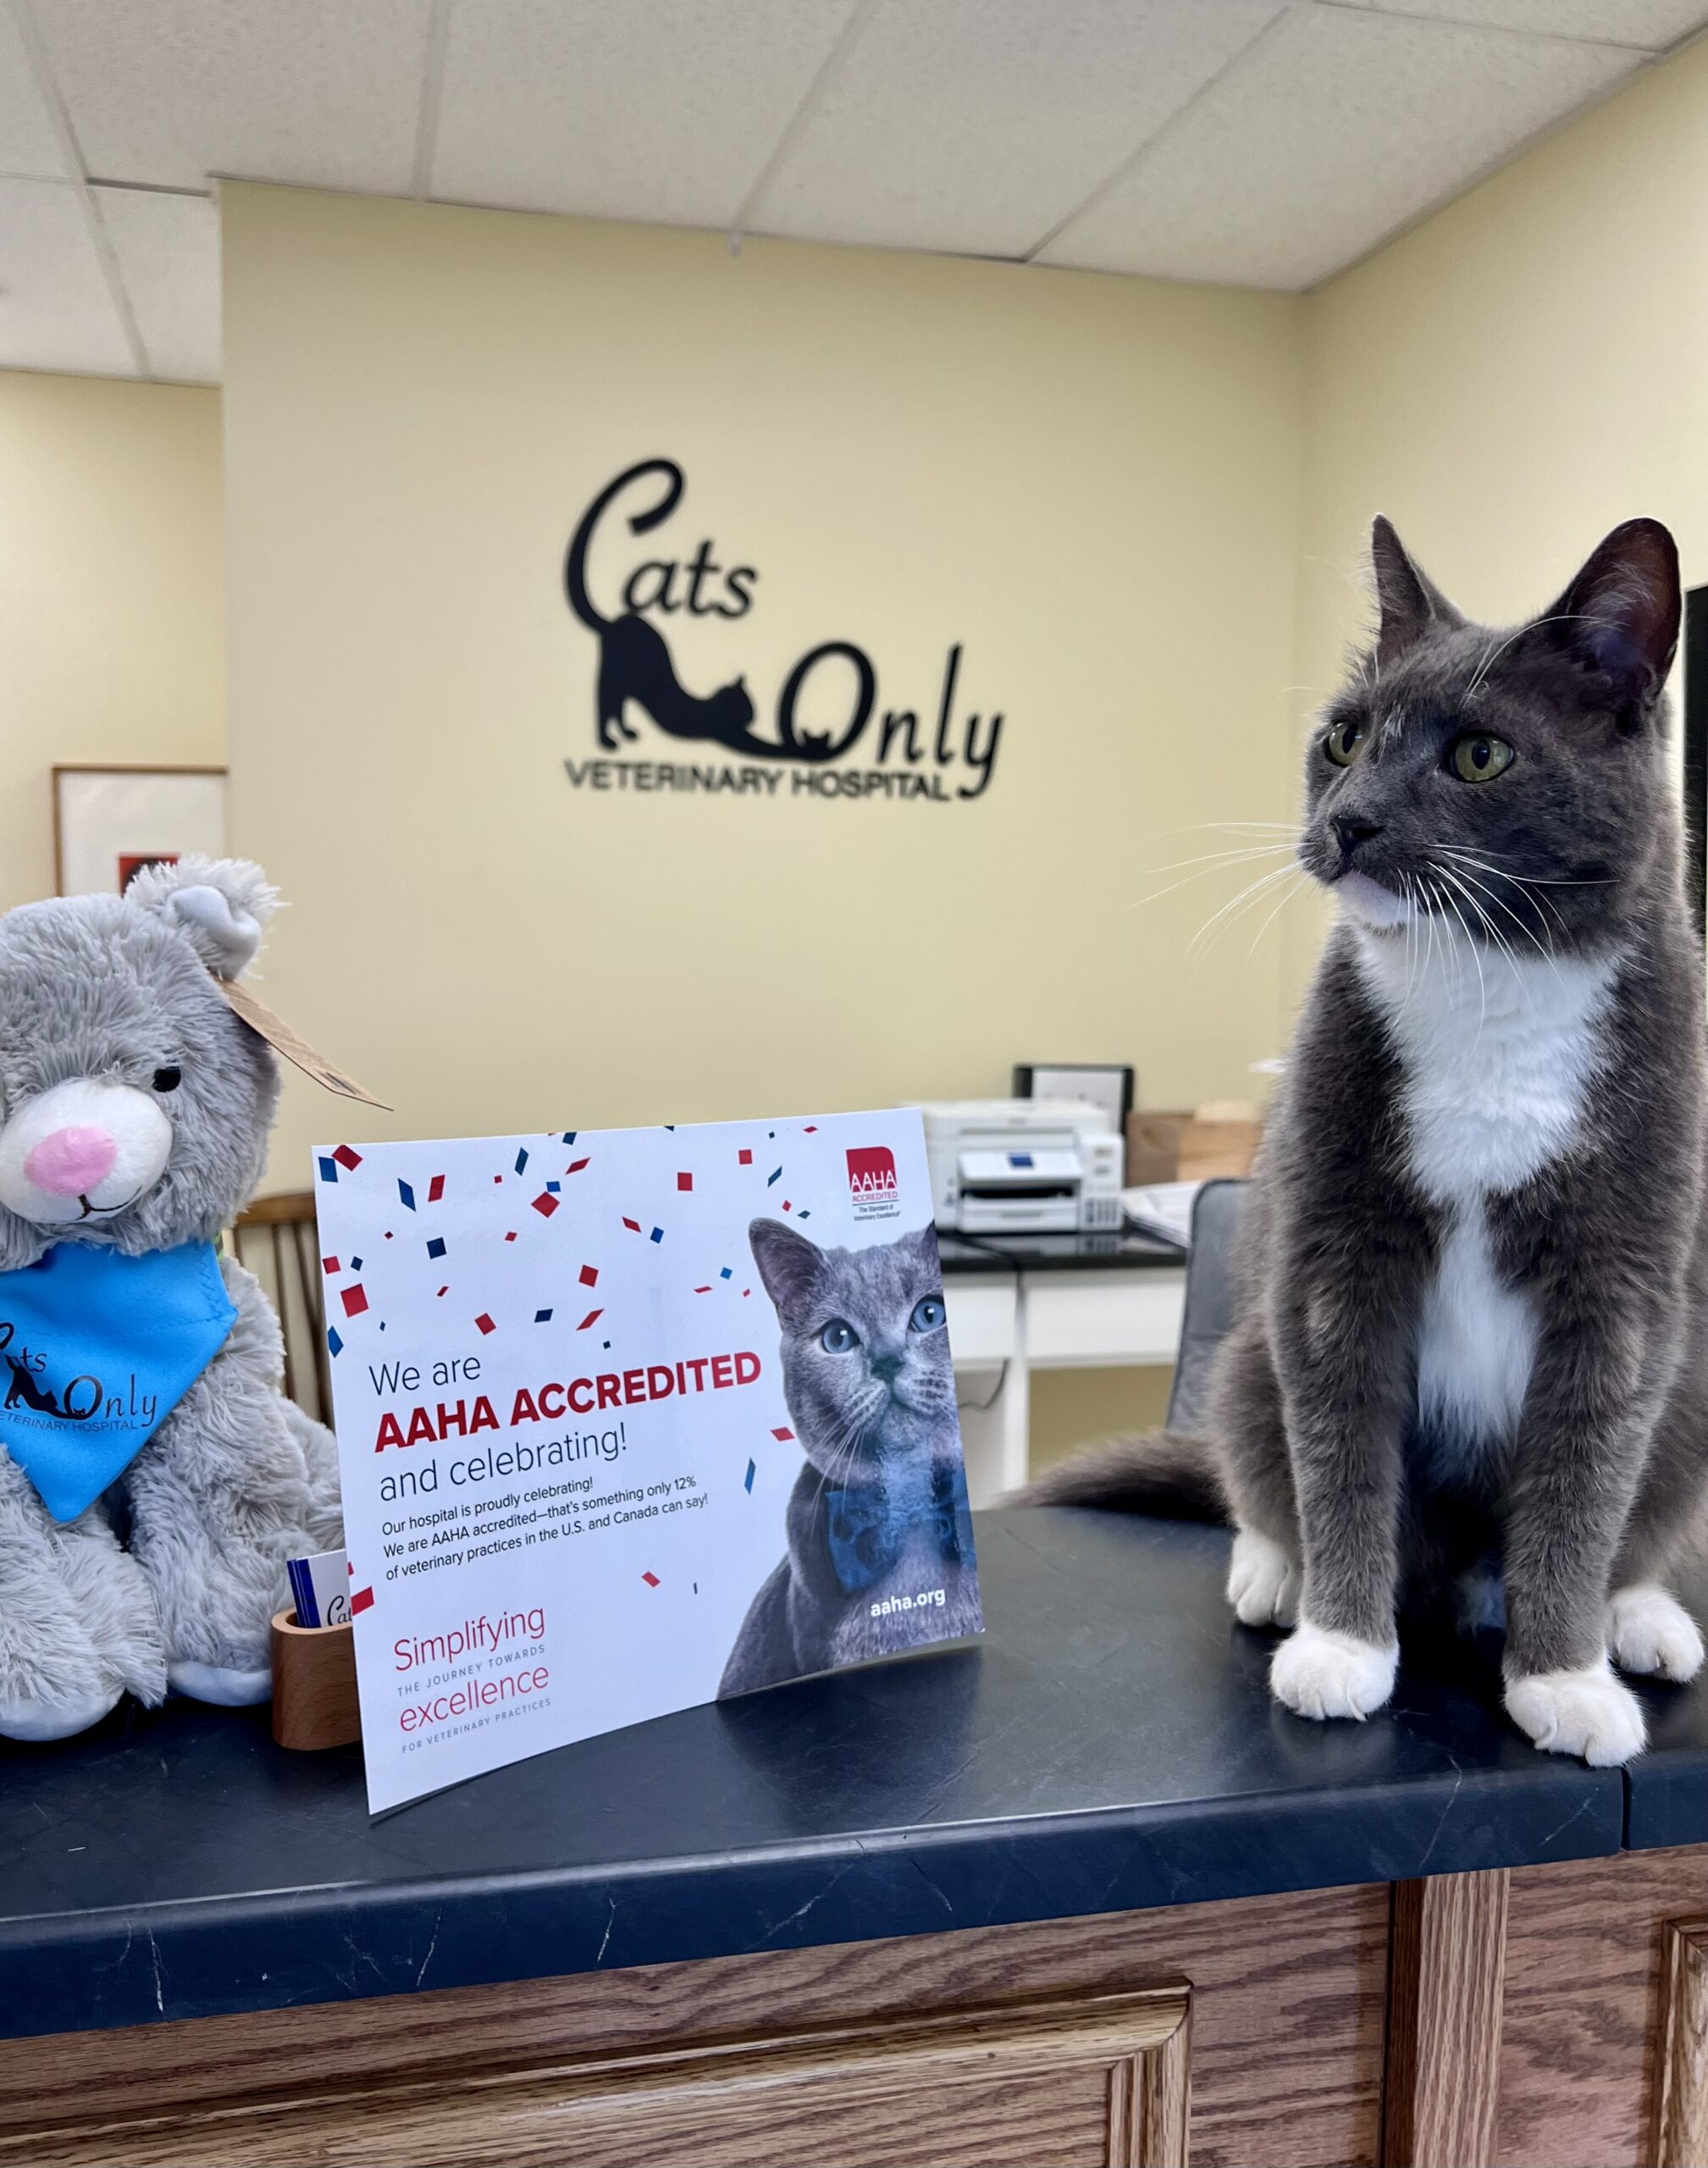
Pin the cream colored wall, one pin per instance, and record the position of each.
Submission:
(1092, 483)
(1517, 376)
(111, 636)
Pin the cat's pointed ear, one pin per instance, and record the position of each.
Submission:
(1409, 600)
(789, 1264)
(1620, 615)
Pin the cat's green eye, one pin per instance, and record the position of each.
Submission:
(1478, 758)
(929, 1314)
(1347, 741)
(837, 1337)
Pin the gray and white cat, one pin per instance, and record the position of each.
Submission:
(880, 1538)
(1470, 1339)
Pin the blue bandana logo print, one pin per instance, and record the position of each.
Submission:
(95, 1351)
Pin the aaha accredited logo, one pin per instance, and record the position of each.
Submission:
(871, 1182)
(924, 745)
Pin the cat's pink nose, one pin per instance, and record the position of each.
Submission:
(71, 1161)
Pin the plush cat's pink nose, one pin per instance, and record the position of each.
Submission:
(71, 1161)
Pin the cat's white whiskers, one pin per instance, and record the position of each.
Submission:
(1522, 882)
(1235, 903)
(1470, 942)
(1301, 879)
(1541, 880)
(1492, 654)
(1217, 862)
(1542, 948)
(1492, 933)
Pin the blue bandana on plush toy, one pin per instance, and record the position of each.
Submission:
(96, 1349)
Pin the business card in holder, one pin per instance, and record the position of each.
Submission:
(314, 1704)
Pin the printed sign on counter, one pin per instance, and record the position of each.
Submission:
(631, 1419)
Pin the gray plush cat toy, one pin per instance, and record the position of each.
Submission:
(139, 1370)
(880, 1534)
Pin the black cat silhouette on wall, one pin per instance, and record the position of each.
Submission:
(635, 664)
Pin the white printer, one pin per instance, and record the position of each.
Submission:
(1023, 1166)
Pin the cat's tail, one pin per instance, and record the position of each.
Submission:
(1164, 1472)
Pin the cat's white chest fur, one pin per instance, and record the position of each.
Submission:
(1496, 1064)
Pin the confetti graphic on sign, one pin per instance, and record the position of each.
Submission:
(328, 1265)
(435, 1189)
(726, 1273)
(436, 1246)
(485, 1322)
(546, 1203)
(361, 1601)
(542, 1317)
(747, 1481)
(406, 1192)
(332, 1341)
(776, 1175)
(684, 1181)
(651, 1579)
(349, 1160)
(355, 1301)
(328, 1169)
(522, 1160)
(632, 1225)
(785, 1434)
(575, 1166)
(744, 1158)
(588, 1275)
(592, 1317)
(658, 1234)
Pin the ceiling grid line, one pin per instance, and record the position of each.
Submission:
(859, 15)
(432, 98)
(1113, 179)
(47, 88)
(1399, 14)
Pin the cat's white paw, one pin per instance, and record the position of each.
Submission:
(1650, 1631)
(1263, 1583)
(1318, 1673)
(1587, 1712)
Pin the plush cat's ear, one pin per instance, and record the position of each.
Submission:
(223, 904)
(789, 1264)
(1409, 600)
(1620, 615)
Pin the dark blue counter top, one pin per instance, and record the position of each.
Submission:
(1110, 1745)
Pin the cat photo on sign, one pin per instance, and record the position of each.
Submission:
(880, 1545)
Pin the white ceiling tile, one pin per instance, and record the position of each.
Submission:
(1652, 24)
(324, 92)
(1337, 126)
(977, 125)
(57, 310)
(168, 251)
(29, 142)
(655, 109)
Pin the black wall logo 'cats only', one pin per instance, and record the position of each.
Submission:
(949, 758)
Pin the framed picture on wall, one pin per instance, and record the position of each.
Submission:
(110, 822)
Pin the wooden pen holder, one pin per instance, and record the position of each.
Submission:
(314, 1704)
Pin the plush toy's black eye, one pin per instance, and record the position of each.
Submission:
(168, 1079)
